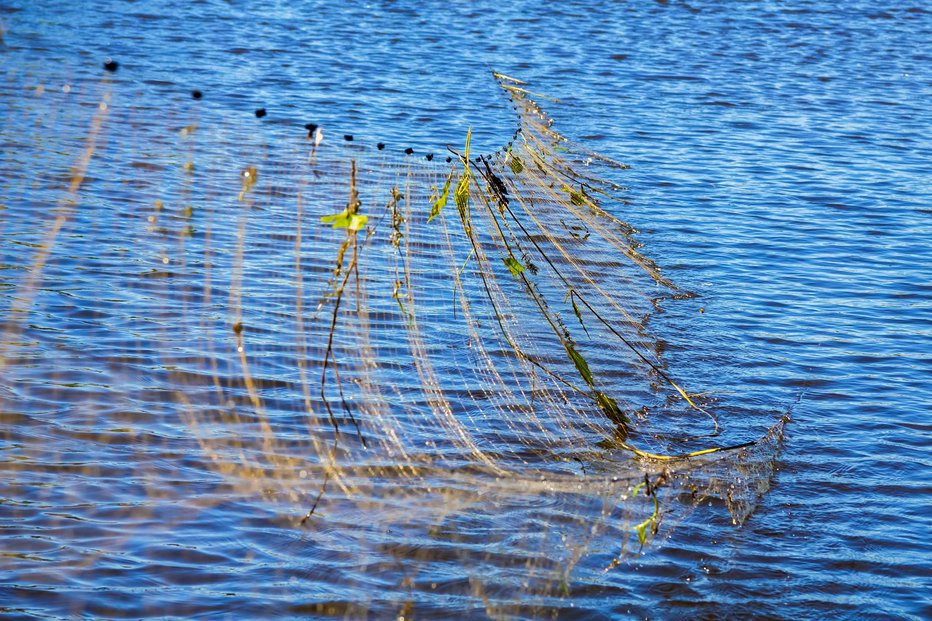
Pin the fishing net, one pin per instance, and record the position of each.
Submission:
(437, 365)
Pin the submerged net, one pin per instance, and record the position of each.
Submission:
(435, 365)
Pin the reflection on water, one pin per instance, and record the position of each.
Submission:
(149, 459)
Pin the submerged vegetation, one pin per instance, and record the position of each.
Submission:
(372, 361)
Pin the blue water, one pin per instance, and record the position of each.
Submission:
(780, 169)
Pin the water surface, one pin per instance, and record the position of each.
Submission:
(779, 169)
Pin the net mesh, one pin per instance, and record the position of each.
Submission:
(435, 364)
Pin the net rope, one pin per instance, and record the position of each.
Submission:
(434, 358)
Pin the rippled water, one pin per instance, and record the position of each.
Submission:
(780, 170)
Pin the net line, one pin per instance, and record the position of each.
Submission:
(486, 322)
(423, 342)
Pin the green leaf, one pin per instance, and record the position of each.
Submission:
(513, 266)
(580, 363)
(441, 202)
(611, 409)
(398, 295)
(517, 166)
(577, 312)
(577, 197)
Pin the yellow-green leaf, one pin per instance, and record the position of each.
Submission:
(441, 202)
(642, 530)
(357, 222)
(338, 220)
(345, 220)
(513, 266)
(461, 194)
